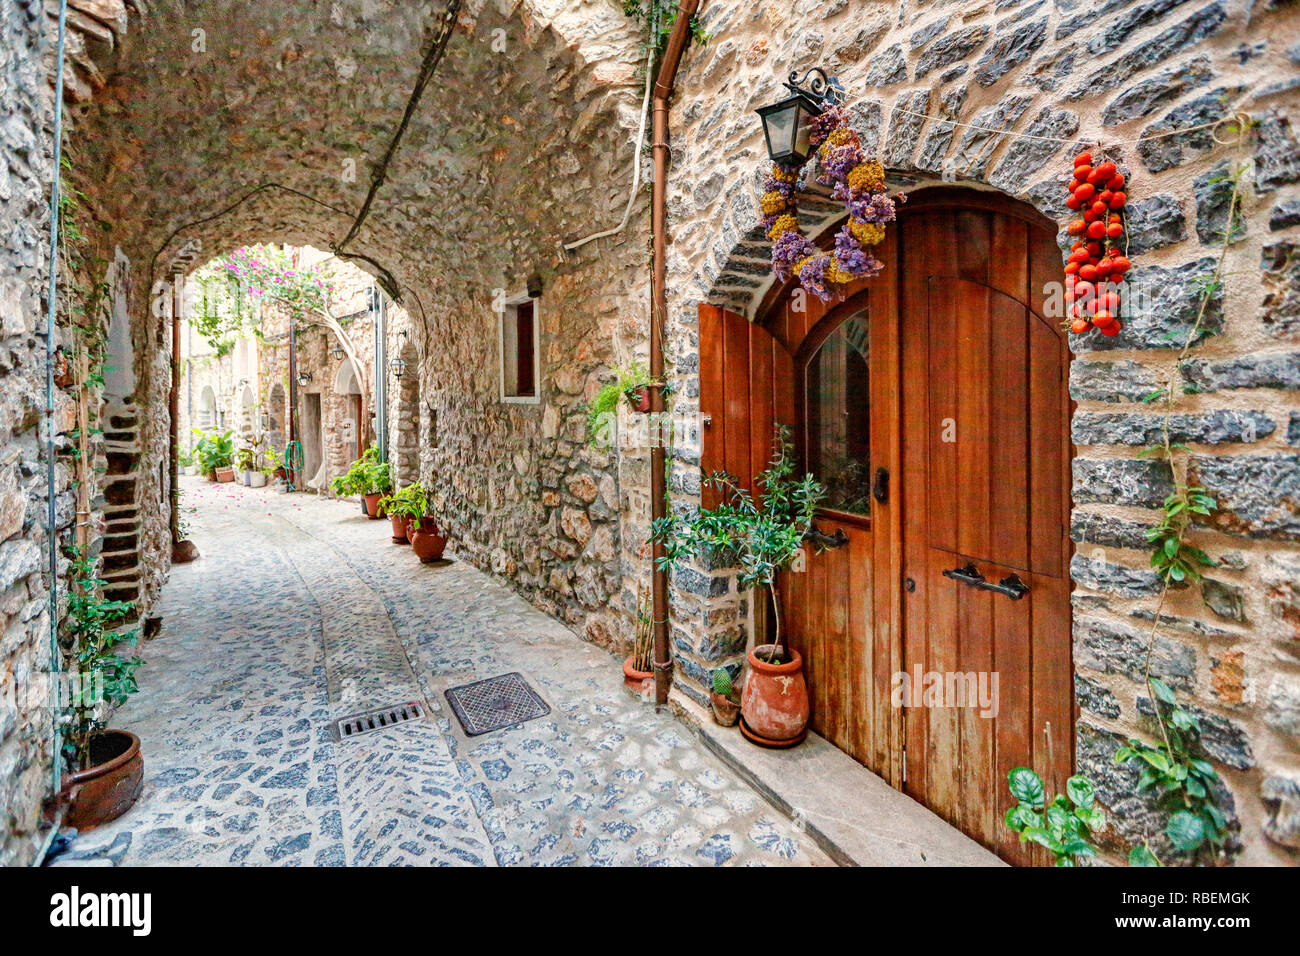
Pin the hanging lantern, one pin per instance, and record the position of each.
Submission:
(786, 124)
(398, 366)
(338, 353)
(304, 379)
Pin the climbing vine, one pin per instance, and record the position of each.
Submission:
(1175, 771)
(658, 17)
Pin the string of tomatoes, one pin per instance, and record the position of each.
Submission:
(1096, 265)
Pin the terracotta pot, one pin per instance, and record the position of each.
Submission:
(774, 704)
(210, 475)
(399, 529)
(372, 505)
(110, 787)
(725, 710)
(426, 540)
(638, 682)
(640, 399)
(225, 474)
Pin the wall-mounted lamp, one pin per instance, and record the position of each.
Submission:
(338, 353)
(786, 124)
(534, 286)
(398, 366)
(304, 379)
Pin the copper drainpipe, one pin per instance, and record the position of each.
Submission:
(663, 92)
(174, 407)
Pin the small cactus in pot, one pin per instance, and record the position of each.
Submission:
(725, 698)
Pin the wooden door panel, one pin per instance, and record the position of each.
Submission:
(985, 461)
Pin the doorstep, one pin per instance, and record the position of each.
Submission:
(852, 814)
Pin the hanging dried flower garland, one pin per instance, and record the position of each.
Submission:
(859, 183)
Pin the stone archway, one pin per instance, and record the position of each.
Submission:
(208, 417)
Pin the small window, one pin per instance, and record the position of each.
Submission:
(519, 351)
(839, 416)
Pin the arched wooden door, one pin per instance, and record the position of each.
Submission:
(932, 402)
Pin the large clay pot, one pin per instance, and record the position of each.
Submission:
(372, 505)
(399, 529)
(427, 541)
(111, 785)
(774, 705)
(226, 474)
(638, 682)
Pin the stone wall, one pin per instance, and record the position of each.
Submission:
(25, 729)
(1105, 74)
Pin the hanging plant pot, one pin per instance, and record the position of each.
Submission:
(111, 785)
(372, 505)
(774, 706)
(426, 540)
(399, 529)
(639, 398)
(637, 681)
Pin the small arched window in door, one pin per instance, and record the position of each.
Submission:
(838, 427)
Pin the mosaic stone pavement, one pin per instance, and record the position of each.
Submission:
(301, 612)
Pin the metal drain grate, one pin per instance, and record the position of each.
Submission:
(379, 719)
(495, 704)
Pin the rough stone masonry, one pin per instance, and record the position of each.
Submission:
(525, 142)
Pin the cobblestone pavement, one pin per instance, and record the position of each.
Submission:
(300, 612)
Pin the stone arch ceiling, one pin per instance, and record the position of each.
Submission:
(509, 153)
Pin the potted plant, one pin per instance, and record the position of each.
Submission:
(633, 383)
(215, 453)
(637, 668)
(411, 505)
(367, 477)
(765, 536)
(244, 465)
(724, 697)
(107, 767)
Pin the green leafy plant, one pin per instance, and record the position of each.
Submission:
(365, 476)
(409, 502)
(105, 676)
(1064, 824)
(244, 459)
(1183, 782)
(214, 450)
(765, 535)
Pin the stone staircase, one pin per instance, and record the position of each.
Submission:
(120, 569)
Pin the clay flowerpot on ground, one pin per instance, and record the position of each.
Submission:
(724, 698)
(110, 785)
(368, 478)
(765, 533)
(408, 508)
(774, 705)
(106, 769)
(638, 676)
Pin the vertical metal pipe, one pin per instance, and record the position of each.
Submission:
(51, 320)
(293, 404)
(174, 409)
(663, 91)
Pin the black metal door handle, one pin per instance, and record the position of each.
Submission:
(1011, 585)
(880, 487)
(826, 541)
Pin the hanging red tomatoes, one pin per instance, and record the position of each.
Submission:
(1096, 264)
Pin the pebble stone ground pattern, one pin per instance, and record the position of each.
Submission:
(300, 612)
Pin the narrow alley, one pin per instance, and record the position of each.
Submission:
(301, 612)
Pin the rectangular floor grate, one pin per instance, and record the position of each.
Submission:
(379, 719)
(495, 704)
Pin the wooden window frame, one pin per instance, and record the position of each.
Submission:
(510, 312)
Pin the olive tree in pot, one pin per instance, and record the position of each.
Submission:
(766, 536)
(107, 766)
